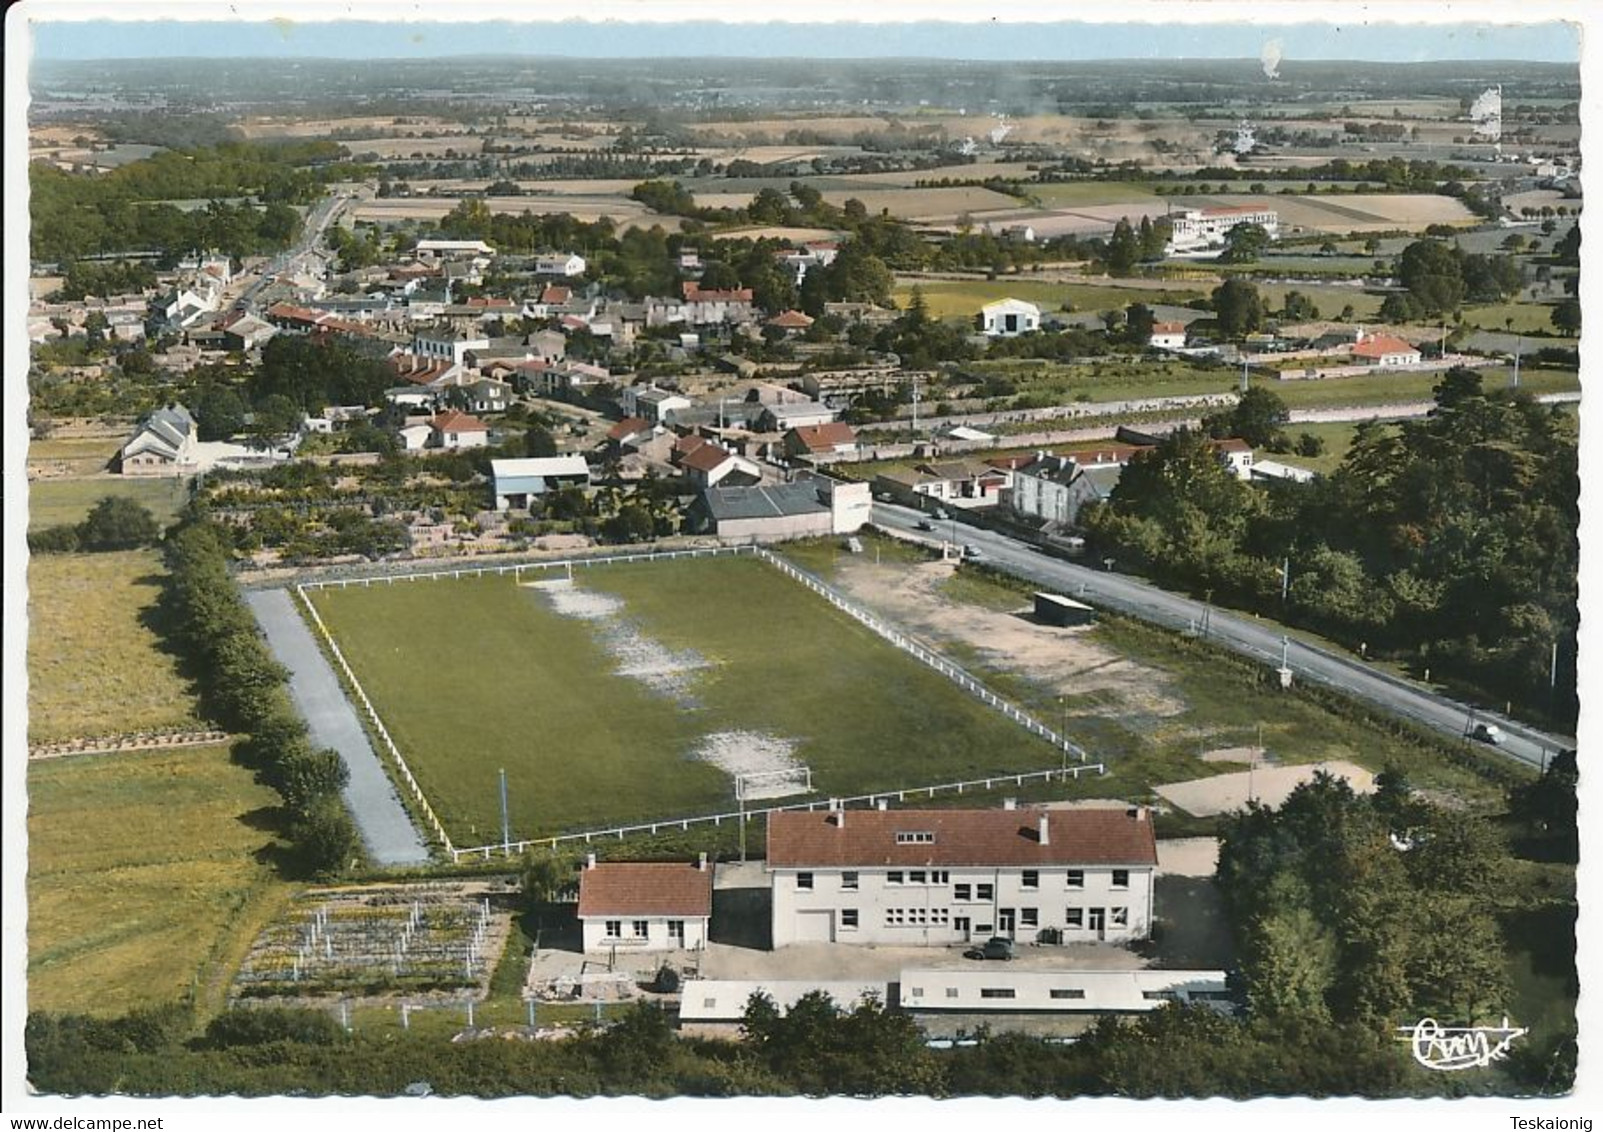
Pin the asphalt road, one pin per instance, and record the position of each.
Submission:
(316, 223)
(1259, 640)
(386, 828)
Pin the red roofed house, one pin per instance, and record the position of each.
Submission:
(454, 429)
(629, 433)
(1386, 350)
(645, 907)
(830, 438)
(708, 465)
(790, 322)
(942, 877)
(1167, 336)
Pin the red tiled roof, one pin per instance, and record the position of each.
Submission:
(1379, 345)
(454, 421)
(555, 294)
(645, 889)
(790, 320)
(706, 458)
(1234, 444)
(819, 438)
(688, 444)
(693, 293)
(1168, 328)
(798, 839)
(628, 427)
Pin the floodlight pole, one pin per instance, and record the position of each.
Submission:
(740, 799)
(506, 829)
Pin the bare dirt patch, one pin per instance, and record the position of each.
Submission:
(1188, 856)
(754, 752)
(1065, 660)
(1269, 785)
(669, 672)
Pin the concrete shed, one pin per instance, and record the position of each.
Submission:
(1055, 609)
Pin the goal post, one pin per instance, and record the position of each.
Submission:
(773, 783)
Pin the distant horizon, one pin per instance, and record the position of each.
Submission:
(1061, 41)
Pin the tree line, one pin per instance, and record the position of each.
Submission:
(1449, 542)
(244, 689)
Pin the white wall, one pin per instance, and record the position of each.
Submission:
(596, 937)
(929, 911)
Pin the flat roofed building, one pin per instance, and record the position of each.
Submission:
(941, 877)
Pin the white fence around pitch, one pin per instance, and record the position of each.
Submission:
(894, 636)
(517, 568)
(668, 825)
(927, 656)
(378, 724)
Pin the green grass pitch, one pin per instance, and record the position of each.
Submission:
(474, 675)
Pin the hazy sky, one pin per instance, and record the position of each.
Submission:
(1551, 41)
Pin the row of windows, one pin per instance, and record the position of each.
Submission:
(917, 917)
(1028, 879)
(640, 929)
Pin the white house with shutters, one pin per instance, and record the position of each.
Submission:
(943, 877)
(1008, 318)
(645, 906)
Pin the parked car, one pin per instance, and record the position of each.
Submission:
(972, 551)
(923, 525)
(1488, 733)
(940, 513)
(997, 947)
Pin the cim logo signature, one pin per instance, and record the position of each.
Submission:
(1448, 1048)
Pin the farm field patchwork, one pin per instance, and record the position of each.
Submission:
(94, 666)
(637, 694)
(143, 878)
(964, 298)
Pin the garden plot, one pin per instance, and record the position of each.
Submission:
(405, 939)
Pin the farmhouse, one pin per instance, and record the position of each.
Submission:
(1167, 336)
(164, 445)
(643, 906)
(514, 483)
(940, 877)
(1008, 318)
(1386, 351)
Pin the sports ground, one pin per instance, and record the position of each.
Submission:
(636, 694)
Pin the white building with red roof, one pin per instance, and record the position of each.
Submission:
(645, 906)
(1167, 336)
(943, 877)
(455, 429)
(1386, 350)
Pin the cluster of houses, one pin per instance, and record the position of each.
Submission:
(885, 877)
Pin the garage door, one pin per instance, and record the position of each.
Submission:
(815, 927)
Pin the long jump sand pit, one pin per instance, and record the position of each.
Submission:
(1270, 785)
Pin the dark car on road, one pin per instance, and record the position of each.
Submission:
(997, 947)
(923, 525)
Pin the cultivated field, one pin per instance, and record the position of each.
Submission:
(429, 146)
(905, 204)
(258, 128)
(626, 212)
(953, 299)
(143, 877)
(640, 691)
(94, 666)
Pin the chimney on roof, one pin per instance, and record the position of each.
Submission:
(701, 864)
(589, 860)
(837, 813)
(1010, 803)
(882, 804)
(1136, 813)
(1044, 835)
